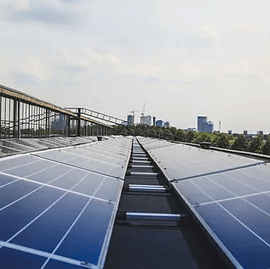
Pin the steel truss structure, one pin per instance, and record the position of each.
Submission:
(24, 116)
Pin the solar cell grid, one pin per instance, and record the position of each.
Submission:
(55, 214)
(230, 196)
(95, 149)
(113, 149)
(225, 206)
(29, 143)
(14, 145)
(92, 155)
(5, 150)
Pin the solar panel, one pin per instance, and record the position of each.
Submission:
(54, 214)
(15, 146)
(231, 199)
(182, 161)
(154, 143)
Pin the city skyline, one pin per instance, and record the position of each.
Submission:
(182, 58)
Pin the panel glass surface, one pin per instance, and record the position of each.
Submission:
(233, 206)
(45, 233)
(183, 161)
(50, 206)
(248, 249)
(16, 216)
(30, 168)
(4, 180)
(96, 217)
(52, 173)
(109, 190)
(90, 184)
(14, 259)
(52, 264)
(13, 145)
(13, 162)
(241, 217)
(16, 190)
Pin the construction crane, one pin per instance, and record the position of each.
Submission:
(143, 111)
(133, 112)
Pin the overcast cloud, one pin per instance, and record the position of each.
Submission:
(180, 58)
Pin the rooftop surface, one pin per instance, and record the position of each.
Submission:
(127, 202)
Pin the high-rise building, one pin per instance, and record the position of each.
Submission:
(204, 125)
(154, 121)
(59, 123)
(146, 120)
(159, 123)
(130, 119)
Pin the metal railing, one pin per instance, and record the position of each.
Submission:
(97, 115)
(22, 115)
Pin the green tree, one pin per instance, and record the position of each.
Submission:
(190, 136)
(255, 144)
(223, 141)
(179, 135)
(240, 143)
(266, 147)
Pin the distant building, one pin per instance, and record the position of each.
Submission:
(130, 119)
(146, 120)
(59, 123)
(166, 124)
(154, 121)
(159, 123)
(245, 132)
(230, 132)
(260, 132)
(190, 130)
(124, 123)
(204, 125)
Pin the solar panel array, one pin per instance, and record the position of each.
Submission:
(230, 196)
(57, 207)
(17, 146)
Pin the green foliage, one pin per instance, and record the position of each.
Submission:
(223, 141)
(240, 143)
(179, 135)
(205, 137)
(266, 147)
(190, 136)
(255, 144)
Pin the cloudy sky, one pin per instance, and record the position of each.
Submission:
(181, 58)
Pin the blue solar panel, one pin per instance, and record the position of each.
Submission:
(98, 163)
(180, 161)
(234, 206)
(53, 264)
(14, 259)
(247, 248)
(54, 214)
(230, 196)
(96, 217)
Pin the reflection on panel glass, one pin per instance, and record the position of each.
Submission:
(85, 240)
(19, 214)
(249, 250)
(14, 259)
(47, 232)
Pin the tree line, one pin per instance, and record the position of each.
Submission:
(259, 144)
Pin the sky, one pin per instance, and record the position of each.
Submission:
(181, 58)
